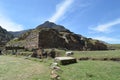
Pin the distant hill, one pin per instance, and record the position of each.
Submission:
(51, 35)
(5, 36)
(113, 46)
(17, 33)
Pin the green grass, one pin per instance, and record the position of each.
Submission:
(14, 68)
(92, 70)
(98, 54)
(114, 46)
(93, 54)
(19, 68)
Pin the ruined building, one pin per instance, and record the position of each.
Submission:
(50, 35)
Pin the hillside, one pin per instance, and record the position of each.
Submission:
(51, 35)
(5, 36)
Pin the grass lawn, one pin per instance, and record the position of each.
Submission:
(98, 54)
(14, 68)
(19, 68)
(92, 70)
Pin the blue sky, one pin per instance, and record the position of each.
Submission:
(98, 19)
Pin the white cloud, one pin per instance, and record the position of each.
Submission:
(107, 39)
(8, 24)
(60, 10)
(106, 27)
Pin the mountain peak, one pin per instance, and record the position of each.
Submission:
(48, 24)
(52, 25)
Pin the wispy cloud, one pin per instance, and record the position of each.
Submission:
(107, 39)
(8, 24)
(61, 10)
(106, 27)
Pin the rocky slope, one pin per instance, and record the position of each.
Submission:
(5, 36)
(51, 35)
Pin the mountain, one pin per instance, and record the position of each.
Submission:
(5, 36)
(51, 35)
(17, 33)
(52, 25)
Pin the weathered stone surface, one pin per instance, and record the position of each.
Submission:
(65, 60)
